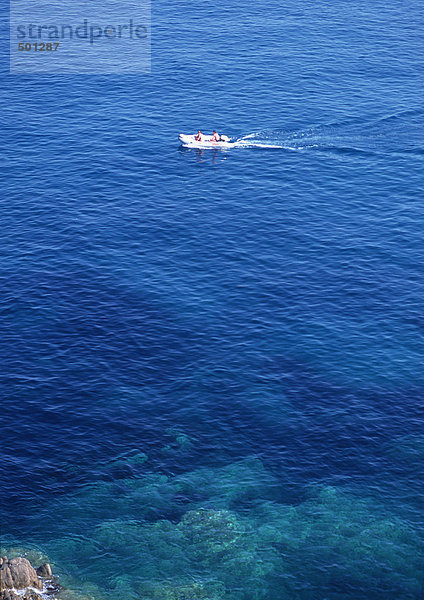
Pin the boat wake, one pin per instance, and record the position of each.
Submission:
(398, 133)
(323, 137)
(265, 139)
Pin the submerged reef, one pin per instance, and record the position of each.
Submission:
(224, 533)
(190, 590)
(340, 541)
(228, 545)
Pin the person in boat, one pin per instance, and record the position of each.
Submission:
(199, 136)
(215, 136)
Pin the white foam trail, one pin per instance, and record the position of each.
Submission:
(246, 144)
(246, 137)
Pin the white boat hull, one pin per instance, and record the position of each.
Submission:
(189, 141)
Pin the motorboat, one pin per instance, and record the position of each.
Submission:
(206, 141)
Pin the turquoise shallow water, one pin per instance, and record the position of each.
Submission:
(212, 361)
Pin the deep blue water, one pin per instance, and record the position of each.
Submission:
(252, 319)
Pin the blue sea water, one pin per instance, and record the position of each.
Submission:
(212, 381)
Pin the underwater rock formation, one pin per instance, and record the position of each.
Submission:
(193, 590)
(230, 486)
(211, 533)
(225, 532)
(337, 539)
(225, 544)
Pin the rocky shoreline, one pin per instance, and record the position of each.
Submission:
(19, 580)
